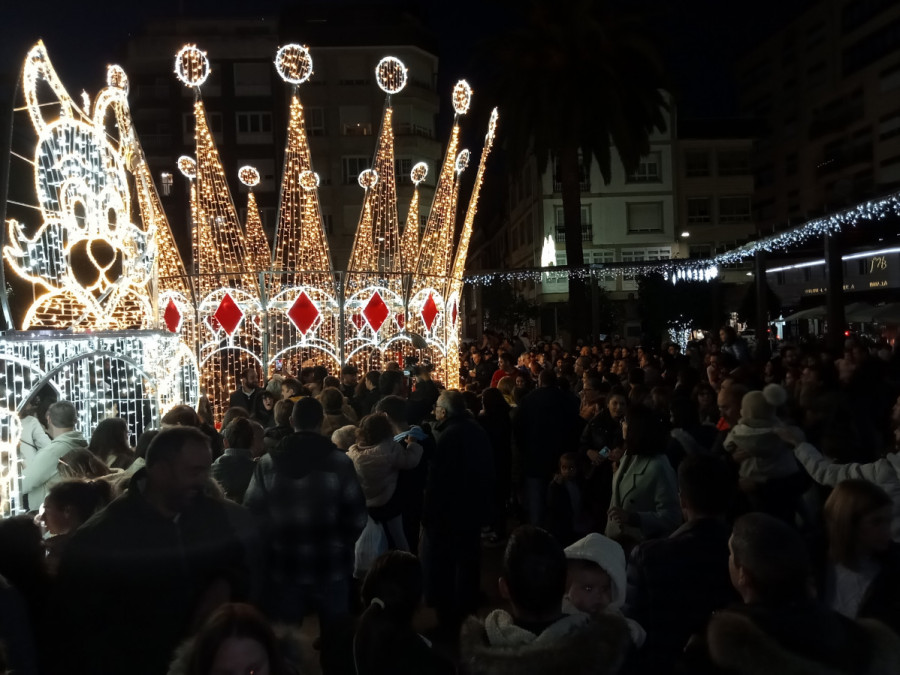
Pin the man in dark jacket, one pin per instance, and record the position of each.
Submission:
(144, 573)
(546, 425)
(674, 584)
(457, 503)
(245, 396)
(308, 498)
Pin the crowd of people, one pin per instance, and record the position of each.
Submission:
(661, 512)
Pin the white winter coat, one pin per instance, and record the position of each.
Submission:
(33, 438)
(885, 473)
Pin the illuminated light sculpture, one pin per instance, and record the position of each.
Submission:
(258, 245)
(395, 298)
(95, 274)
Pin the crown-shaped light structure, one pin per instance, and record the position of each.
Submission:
(245, 304)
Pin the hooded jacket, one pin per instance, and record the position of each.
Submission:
(575, 645)
(377, 467)
(770, 457)
(609, 556)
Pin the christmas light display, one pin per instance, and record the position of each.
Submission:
(257, 244)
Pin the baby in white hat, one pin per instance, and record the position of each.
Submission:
(754, 441)
(596, 582)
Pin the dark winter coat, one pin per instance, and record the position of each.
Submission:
(802, 641)
(674, 584)
(458, 494)
(546, 425)
(131, 579)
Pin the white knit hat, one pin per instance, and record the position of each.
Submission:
(758, 408)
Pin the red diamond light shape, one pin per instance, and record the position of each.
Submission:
(214, 325)
(303, 313)
(429, 311)
(376, 311)
(172, 317)
(454, 313)
(358, 321)
(228, 314)
(400, 319)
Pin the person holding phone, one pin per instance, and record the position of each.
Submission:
(601, 447)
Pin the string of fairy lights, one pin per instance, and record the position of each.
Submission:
(705, 269)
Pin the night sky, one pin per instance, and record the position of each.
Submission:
(699, 38)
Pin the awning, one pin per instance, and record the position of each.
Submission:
(814, 313)
(889, 313)
(859, 312)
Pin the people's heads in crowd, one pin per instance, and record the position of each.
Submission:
(595, 574)
(568, 465)
(332, 401)
(82, 463)
(547, 378)
(61, 418)
(493, 403)
(707, 486)
(374, 429)
(760, 408)
(110, 437)
(268, 399)
(395, 579)
(233, 413)
(22, 554)
(180, 415)
(450, 403)
(349, 375)
(644, 432)
(178, 464)
(307, 415)
(533, 577)
(507, 387)
(506, 361)
(143, 442)
(616, 402)
(239, 434)
(332, 381)
(391, 383)
(729, 402)
(727, 335)
(344, 437)
(396, 409)
(70, 503)
(249, 378)
(858, 521)
(769, 562)
(283, 410)
(291, 387)
(236, 639)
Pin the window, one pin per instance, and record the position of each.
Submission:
(351, 167)
(734, 209)
(423, 221)
(214, 119)
(699, 210)
(254, 127)
(638, 255)
(315, 121)
(889, 126)
(356, 120)
(890, 79)
(402, 169)
(252, 79)
(587, 232)
(734, 163)
(702, 251)
(696, 163)
(649, 170)
(644, 217)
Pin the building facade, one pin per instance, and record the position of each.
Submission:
(247, 106)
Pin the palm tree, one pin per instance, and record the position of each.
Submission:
(574, 80)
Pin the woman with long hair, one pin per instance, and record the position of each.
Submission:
(237, 640)
(109, 443)
(862, 573)
(644, 502)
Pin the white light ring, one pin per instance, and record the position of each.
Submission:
(309, 180)
(248, 175)
(462, 161)
(391, 75)
(187, 166)
(294, 63)
(117, 78)
(191, 66)
(419, 173)
(368, 179)
(462, 97)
